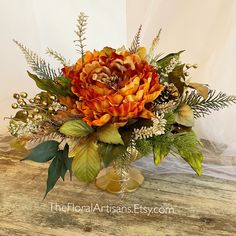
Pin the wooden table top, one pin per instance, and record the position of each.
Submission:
(185, 204)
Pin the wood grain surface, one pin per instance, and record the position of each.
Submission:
(199, 205)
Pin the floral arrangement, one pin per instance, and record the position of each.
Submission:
(111, 106)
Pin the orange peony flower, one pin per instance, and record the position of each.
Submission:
(113, 86)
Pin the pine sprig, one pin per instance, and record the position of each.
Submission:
(136, 41)
(202, 107)
(80, 32)
(58, 56)
(37, 64)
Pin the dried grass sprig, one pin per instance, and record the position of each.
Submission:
(136, 41)
(58, 56)
(155, 42)
(80, 32)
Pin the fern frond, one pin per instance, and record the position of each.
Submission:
(37, 64)
(202, 107)
(136, 41)
(81, 28)
(37, 139)
(52, 136)
(58, 56)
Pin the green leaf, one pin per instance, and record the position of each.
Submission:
(110, 152)
(187, 145)
(109, 134)
(164, 62)
(44, 84)
(44, 151)
(161, 146)
(194, 159)
(76, 128)
(160, 151)
(60, 157)
(170, 120)
(131, 122)
(86, 163)
(60, 86)
(177, 72)
(176, 77)
(21, 116)
(65, 84)
(63, 171)
(54, 173)
(126, 135)
(58, 168)
(142, 122)
(189, 148)
(169, 117)
(67, 160)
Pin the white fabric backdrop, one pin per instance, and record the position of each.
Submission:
(206, 29)
(50, 23)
